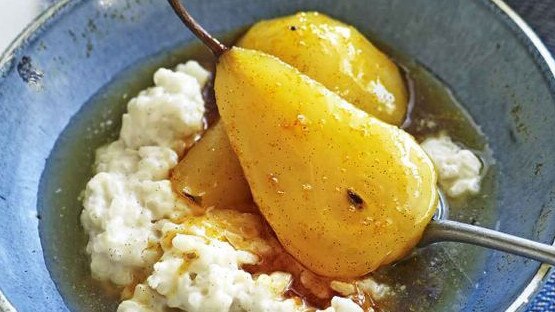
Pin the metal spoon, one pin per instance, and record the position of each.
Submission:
(438, 230)
(443, 230)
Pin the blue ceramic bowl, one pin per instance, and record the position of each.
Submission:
(54, 77)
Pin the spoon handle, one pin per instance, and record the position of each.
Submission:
(452, 231)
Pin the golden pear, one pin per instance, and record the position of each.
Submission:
(338, 56)
(210, 174)
(344, 191)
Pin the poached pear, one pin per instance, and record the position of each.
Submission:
(338, 56)
(344, 192)
(210, 174)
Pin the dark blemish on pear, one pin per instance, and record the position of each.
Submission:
(354, 199)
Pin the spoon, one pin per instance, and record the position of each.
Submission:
(439, 229)
(444, 230)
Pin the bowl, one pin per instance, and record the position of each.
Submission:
(73, 68)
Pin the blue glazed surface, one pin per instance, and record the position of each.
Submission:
(471, 45)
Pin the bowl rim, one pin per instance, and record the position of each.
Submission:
(542, 274)
(530, 39)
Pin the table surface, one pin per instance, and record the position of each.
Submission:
(539, 14)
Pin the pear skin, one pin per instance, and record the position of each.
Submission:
(344, 192)
(338, 56)
(210, 174)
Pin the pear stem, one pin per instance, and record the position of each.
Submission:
(212, 43)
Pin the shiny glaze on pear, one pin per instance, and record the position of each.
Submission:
(338, 56)
(210, 174)
(344, 191)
